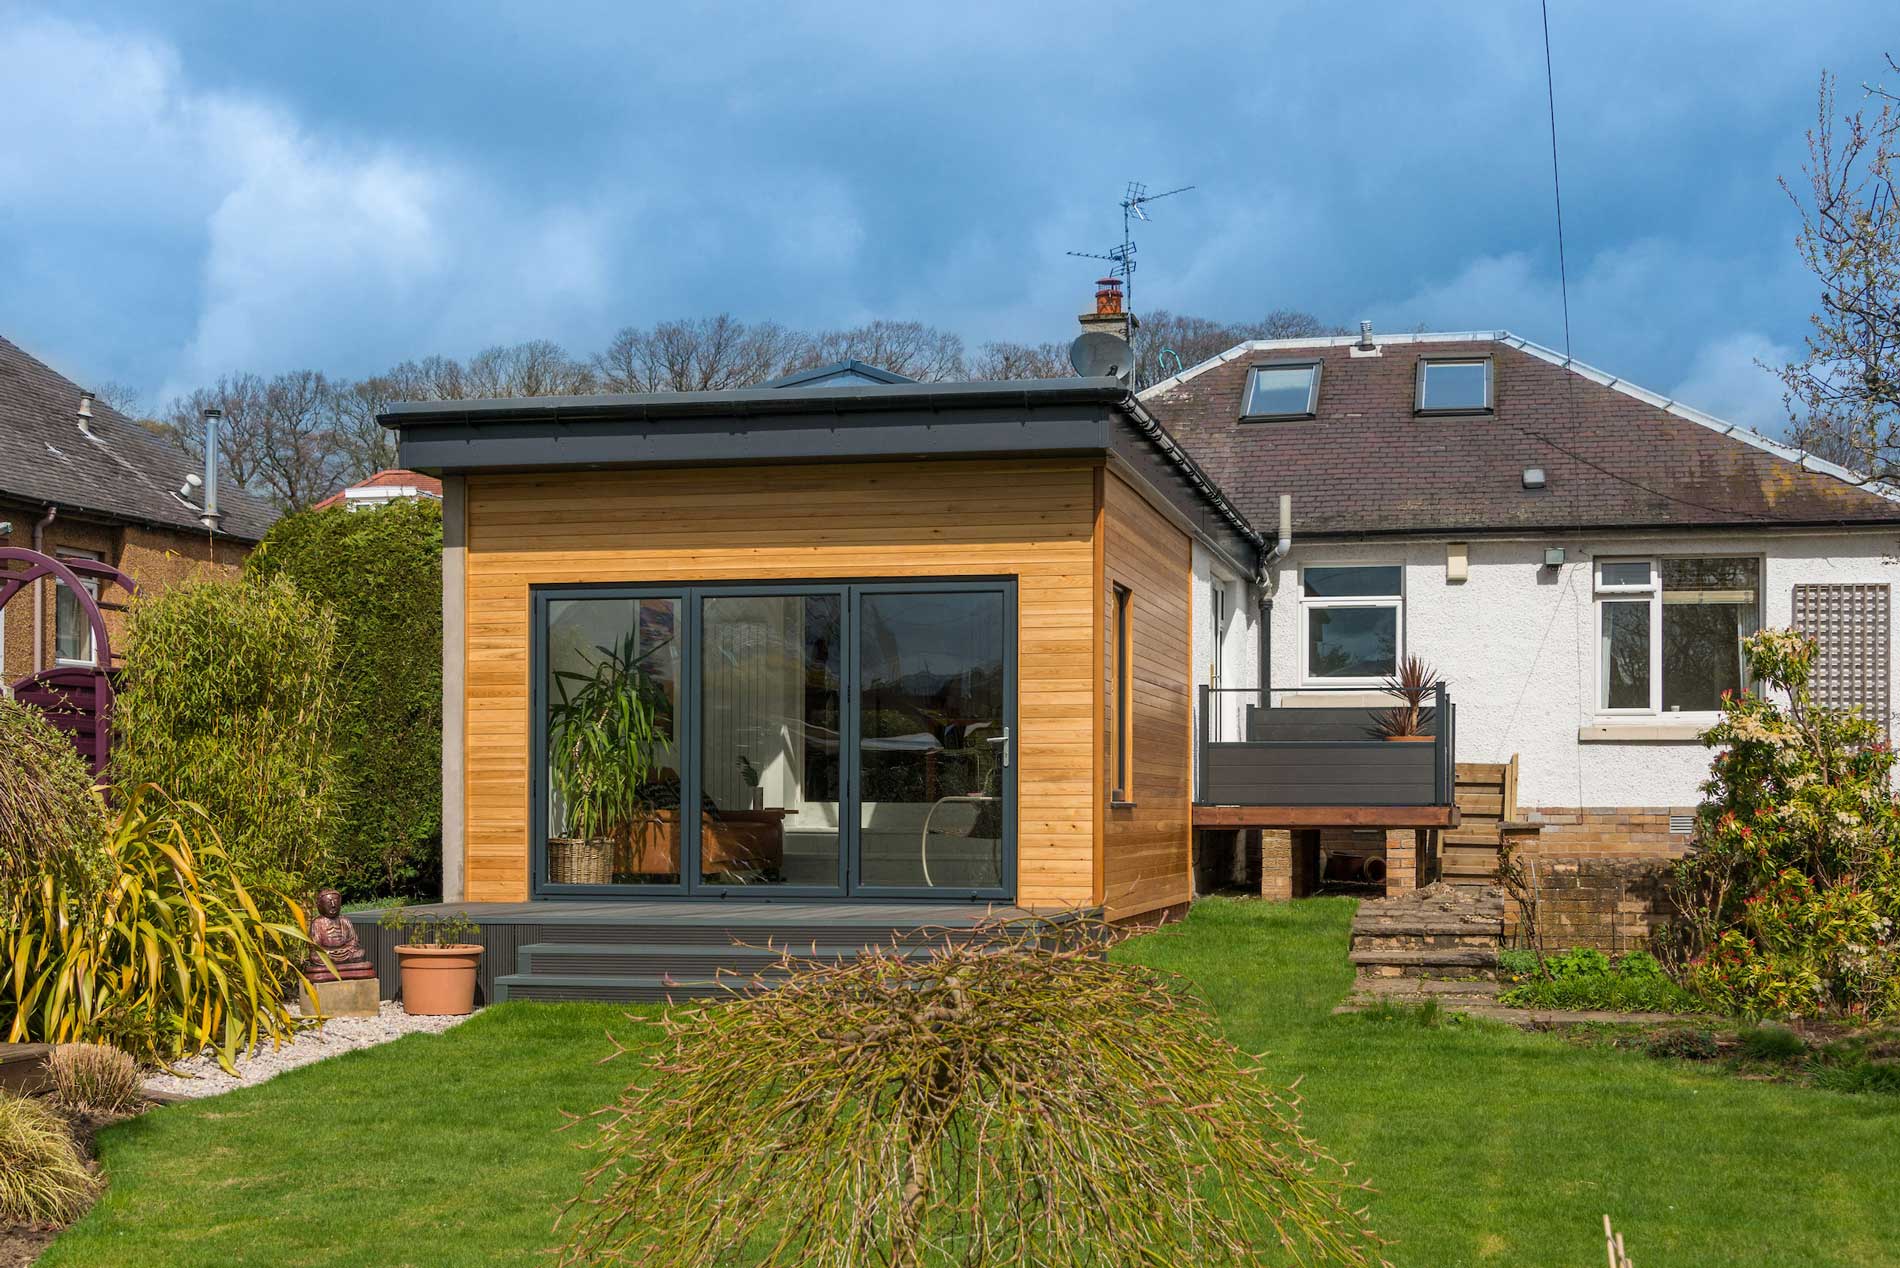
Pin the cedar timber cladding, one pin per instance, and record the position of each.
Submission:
(1031, 519)
(1145, 847)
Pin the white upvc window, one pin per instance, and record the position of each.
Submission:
(1352, 623)
(1670, 631)
(72, 631)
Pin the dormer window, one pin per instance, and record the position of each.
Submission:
(1454, 385)
(1282, 389)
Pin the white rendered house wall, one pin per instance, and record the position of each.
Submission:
(1518, 644)
(1230, 656)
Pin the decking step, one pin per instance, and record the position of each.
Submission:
(641, 989)
(580, 959)
(750, 933)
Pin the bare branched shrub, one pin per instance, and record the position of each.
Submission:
(51, 819)
(1018, 1098)
(42, 1178)
(94, 1078)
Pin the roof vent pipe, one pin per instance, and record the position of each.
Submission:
(211, 516)
(1365, 336)
(84, 413)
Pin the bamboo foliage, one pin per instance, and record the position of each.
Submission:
(172, 955)
(1017, 1099)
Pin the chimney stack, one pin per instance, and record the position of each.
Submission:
(1108, 314)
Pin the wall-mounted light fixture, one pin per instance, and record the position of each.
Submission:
(1553, 556)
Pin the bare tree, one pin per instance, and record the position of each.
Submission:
(538, 367)
(1003, 360)
(1167, 342)
(300, 460)
(364, 446)
(123, 397)
(704, 354)
(240, 436)
(909, 348)
(1843, 396)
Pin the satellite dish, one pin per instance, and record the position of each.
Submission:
(1098, 355)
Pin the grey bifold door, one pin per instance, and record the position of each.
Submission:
(819, 739)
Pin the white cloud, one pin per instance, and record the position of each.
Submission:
(315, 250)
(1727, 379)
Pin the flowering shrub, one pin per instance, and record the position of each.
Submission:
(1787, 905)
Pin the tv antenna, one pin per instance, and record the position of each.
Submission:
(1122, 258)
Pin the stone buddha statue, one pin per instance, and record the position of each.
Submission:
(335, 937)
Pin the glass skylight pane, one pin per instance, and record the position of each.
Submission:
(1454, 385)
(1280, 390)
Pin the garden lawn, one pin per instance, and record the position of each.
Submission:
(1487, 1146)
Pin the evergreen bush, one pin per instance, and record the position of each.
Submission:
(380, 572)
(1787, 905)
(228, 700)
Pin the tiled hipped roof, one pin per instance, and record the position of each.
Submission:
(1613, 456)
(126, 473)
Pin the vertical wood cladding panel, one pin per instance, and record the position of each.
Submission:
(1033, 520)
(1146, 846)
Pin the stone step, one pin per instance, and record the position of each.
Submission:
(1427, 957)
(580, 959)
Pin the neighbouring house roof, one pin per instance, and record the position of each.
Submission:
(121, 471)
(1079, 418)
(838, 374)
(1614, 454)
(391, 485)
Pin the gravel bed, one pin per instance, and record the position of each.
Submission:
(200, 1076)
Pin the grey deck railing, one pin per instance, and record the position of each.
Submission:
(1322, 755)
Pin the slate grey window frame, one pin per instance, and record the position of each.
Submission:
(1490, 386)
(1315, 364)
(690, 595)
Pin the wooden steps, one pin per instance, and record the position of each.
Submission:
(1486, 796)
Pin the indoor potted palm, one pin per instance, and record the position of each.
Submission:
(605, 732)
(438, 958)
(1409, 720)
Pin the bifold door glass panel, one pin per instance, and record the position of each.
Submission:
(805, 739)
(769, 681)
(613, 781)
(932, 739)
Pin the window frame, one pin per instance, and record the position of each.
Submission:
(1490, 386)
(1308, 602)
(1122, 682)
(1602, 592)
(1315, 364)
(91, 584)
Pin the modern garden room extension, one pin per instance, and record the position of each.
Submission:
(852, 646)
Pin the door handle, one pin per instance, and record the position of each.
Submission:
(1002, 739)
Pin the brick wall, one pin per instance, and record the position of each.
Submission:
(1612, 904)
(154, 557)
(1598, 873)
(1608, 832)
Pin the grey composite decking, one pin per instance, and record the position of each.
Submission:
(642, 950)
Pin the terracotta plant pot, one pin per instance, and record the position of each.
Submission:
(1411, 739)
(439, 981)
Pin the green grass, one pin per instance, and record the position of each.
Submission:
(1487, 1146)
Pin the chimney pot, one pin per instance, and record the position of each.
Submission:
(1365, 334)
(85, 404)
(1108, 296)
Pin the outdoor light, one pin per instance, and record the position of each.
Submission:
(1553, 556)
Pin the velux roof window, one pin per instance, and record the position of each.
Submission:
(1283, 389)
(1454, 385)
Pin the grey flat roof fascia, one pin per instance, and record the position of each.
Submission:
(528, 445)
(754, 402)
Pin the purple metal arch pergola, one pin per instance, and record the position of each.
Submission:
(81, 694)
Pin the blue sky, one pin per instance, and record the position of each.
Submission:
(191, 189)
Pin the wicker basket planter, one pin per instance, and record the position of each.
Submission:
(573, 861)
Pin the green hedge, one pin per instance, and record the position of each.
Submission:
(228, 700)
(380, 571)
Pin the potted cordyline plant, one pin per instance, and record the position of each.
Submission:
(605, 733)
(438, 959)
(1415, 683)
